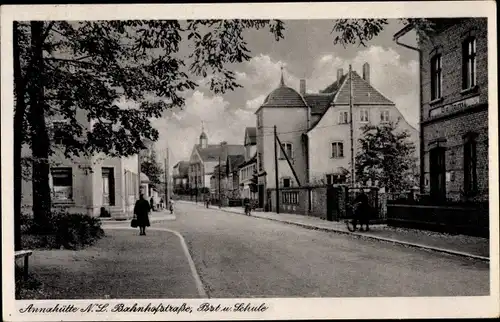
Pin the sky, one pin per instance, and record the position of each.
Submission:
(306, 52)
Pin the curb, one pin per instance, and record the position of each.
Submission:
(394, 241)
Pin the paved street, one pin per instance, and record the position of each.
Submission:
(240, 256)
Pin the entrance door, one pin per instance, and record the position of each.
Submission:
(437, 173)
(108, 187)
(331, 203)
(261, 195)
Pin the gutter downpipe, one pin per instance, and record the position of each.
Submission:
(396, 37)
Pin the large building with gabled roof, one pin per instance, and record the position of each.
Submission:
(329, 140)
(314, 131)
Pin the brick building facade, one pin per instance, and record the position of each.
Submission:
(454, 110)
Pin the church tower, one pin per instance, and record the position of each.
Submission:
(203, 138)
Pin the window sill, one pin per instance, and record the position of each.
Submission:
(63, 202)
(436, 101)
(473, 89)
(336, 157)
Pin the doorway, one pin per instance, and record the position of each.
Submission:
(108, 187)
(437, 173)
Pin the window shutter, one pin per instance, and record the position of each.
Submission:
(341, 149)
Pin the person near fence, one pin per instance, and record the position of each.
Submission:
(141, 212)
(362, 211)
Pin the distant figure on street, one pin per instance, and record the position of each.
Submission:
(141, 211)
(171, 205)
(362, 211)
(246, 205)
(207, 201)
(161, 204)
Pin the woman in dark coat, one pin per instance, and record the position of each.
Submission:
(141, 211)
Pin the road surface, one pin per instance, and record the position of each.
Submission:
(241, 256)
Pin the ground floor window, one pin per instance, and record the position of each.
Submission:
(335, 179)
(62, 184)
(290, 197)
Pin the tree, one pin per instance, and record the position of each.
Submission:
(361, 31)
(386, 156)
(152, 168)
(68, 69)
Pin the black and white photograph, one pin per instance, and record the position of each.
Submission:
(249, 161)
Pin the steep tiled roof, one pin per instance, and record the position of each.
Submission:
(213, 151)
(251, 133)
(183, 168)
(319, 103)
(333, 88)
(234, 161)
(363, 93)
(249, 161)
(284, 96)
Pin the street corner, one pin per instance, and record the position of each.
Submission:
(125, 265)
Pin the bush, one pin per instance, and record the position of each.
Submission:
(70, 231)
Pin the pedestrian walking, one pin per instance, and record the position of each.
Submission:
(171, 205)
(362, 211)
(162, 206)
(152, 204)
(141, 214)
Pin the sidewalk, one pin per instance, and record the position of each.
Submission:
(462, 245)
(122, 265)
(155, 216)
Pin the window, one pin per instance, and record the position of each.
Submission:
(343, 117)
(62, 184)
(259, 160)
(384, 116)
(469, 63)
(470, 165)
(335, 179)
(436, 77)
(337, 150)
(290, 197)
(288, 149)
(60, 132)
(286, 183)
(364, 115)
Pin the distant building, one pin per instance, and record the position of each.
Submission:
(454, 109)
(205, 156)
(180, 177)
(86, 184)
(233, 164)
(248, 168)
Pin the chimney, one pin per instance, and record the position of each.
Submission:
(366, 72)
(340, 73)
(302, 87)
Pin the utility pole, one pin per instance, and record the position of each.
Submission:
(276, 171)
(351, 126)
(220, 197)
(166, 177)
(196, 181)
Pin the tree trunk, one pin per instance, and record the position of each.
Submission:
(19, 132)
(40, 143)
